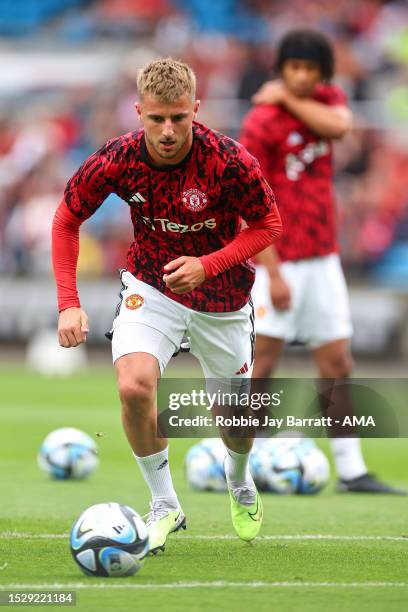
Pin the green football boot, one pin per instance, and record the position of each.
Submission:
(160, 521)
(246, 519)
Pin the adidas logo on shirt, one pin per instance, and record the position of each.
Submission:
(137, 197)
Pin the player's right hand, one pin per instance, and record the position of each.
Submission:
(73, 327)
(280, 293)
(271, 92)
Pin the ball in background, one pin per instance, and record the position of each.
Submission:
(68, 453)
(109, 539)
(204, 465)
(45, 355)
(282, 465)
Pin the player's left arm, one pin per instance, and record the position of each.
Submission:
(184, 274)
(252, 197)
(326, 121)
(329, 119)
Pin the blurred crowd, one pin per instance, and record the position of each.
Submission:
(47, 131)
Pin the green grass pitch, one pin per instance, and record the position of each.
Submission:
(327, 552)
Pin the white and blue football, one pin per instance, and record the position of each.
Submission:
(68, 453)
(289, 465)
(109, 539)
(204, 465)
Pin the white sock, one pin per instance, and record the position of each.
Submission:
(156, 472)
(348, 457)
(238, 475)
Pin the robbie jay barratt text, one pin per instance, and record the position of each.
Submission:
(251, 421)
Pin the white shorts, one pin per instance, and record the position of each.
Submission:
(319, 312)
(149, 322)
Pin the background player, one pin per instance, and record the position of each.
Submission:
(300, 291)
(187, 188)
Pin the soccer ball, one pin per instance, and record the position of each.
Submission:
(204, 465)
(68, 453)
(282, 465)
(109, 540)
(47, 357)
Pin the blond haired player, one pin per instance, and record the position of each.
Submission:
(187, 187)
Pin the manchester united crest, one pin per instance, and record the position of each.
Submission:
(134, 301)
(194, 200)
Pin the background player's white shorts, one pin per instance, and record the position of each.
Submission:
(319, 311)
(155, 324)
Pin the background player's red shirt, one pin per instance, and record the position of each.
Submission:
(298, 164)
(193, 208)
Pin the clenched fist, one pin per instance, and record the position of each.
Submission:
(184, 274)
(72, 327)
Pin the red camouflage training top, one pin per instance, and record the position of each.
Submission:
(193, 208)
(298, 164)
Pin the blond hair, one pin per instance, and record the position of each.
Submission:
(167, 79)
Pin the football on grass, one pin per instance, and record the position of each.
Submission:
(109, 540)
(68, 453)
(293, 465)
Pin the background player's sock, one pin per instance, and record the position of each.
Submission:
(156, 472)
(239, 477)
(348, 458)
